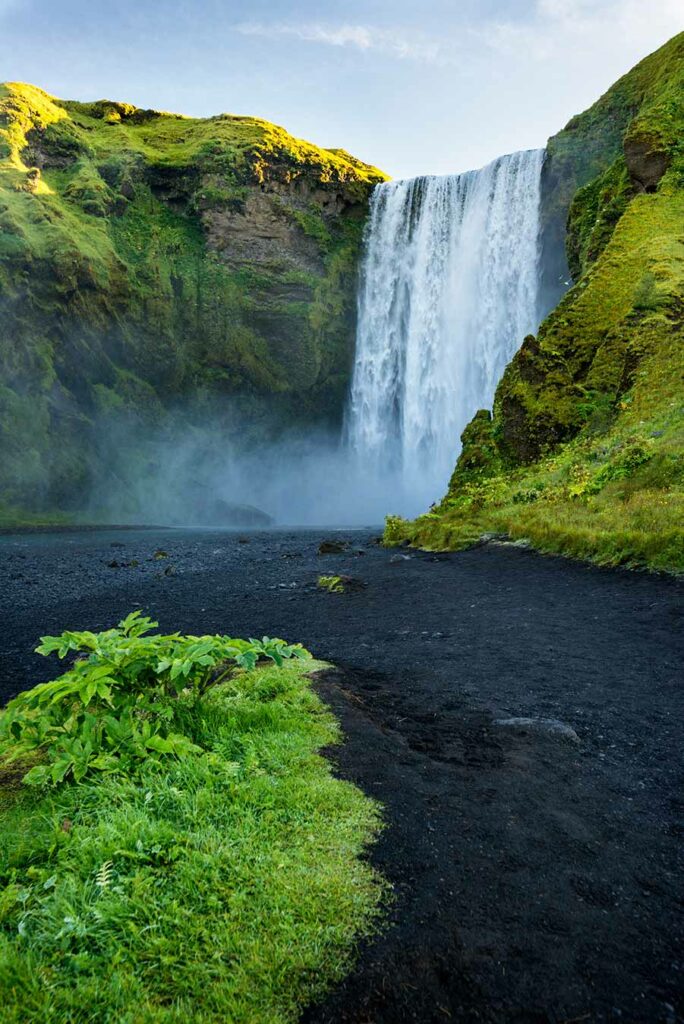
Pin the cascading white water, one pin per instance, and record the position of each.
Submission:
(449, 289)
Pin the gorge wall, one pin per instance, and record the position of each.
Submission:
(154, 266)
(613, 178)
(584, 450)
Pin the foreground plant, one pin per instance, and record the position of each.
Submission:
(229, 885)
(125, 698)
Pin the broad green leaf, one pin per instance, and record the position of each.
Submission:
(39, 775)
(60, 769)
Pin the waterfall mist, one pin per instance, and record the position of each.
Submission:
(192, 471)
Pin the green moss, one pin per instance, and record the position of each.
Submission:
(595, 210)
(89, 191)
(480, 455)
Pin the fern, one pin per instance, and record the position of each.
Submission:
(104, 875)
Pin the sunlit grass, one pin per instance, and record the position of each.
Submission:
(568, 503)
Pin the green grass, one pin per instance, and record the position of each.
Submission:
(227, 887)
(230, 142)
(11, 518)
(615, 497)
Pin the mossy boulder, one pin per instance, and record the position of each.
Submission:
(479, 452)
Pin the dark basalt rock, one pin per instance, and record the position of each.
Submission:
(217, 512)
(541, 726)
(646, 162)
(333, 547)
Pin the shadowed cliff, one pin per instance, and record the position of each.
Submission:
(149, 262)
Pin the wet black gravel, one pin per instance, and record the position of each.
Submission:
(536, 880)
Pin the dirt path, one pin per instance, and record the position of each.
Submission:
(537, 879)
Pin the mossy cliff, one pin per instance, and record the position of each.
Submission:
(145, 257)
(584, 450)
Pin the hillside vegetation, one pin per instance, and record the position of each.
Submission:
(147, 258)
(584, 451)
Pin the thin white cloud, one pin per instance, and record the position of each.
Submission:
(555, 29)
(360, 37)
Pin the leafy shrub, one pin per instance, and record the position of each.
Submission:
(528, 495)
(227, 887)
(627, 458)
(124, 699)
(579, 480)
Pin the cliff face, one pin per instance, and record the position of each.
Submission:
(146, 257)
(583, 452)
(620, 159)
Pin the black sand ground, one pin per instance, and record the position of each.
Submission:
(536, 879)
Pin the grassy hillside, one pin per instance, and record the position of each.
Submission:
(584, 450)
(147, 256)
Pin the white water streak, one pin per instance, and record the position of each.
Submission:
(449, 290)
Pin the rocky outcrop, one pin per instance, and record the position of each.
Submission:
(151, 262)
(597, 170)
(647, 161)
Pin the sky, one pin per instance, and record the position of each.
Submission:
(435, 87)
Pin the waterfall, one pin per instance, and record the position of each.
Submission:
(449, 289)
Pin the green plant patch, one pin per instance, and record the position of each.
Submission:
(124, 699)
(333, 584)
(220, 881)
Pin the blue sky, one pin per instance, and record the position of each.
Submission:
(431, 88)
